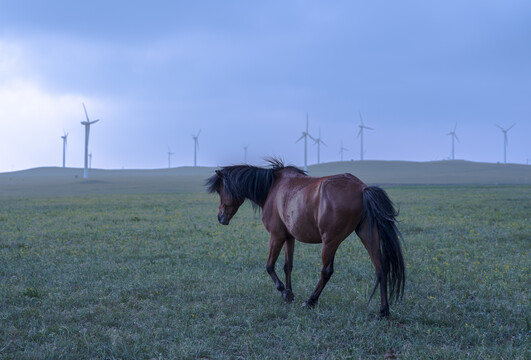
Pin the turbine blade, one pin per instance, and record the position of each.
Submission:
(303, 135)
(322, 142)
(84, 108)
(457, 138)
(368, 128)
(311, 137)
(361, 118)
(511, 127)
(502, 129)
(455, 127)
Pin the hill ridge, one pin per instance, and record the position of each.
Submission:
(54, 181)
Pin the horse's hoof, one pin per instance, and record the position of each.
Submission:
(386, 316)
(308, 304)
(288, 296)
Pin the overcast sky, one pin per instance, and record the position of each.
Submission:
(246, 73)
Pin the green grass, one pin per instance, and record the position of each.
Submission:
(155, 276)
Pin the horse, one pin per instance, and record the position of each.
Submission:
(315, 210)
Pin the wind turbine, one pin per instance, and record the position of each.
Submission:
(169, 157)
(245, 154)
(454, 136)
(64, 137)
(318, 141)
(196, 146)
(90, 161)
(87, 132)
(305, 135)
(360, 133)
(341, 149)
(505, 141)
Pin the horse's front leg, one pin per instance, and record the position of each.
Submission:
(289, 246)
(275, 245)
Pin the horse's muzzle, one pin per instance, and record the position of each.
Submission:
(223, 219)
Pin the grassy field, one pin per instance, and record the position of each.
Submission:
(155, 276)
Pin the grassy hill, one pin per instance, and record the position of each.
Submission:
(52, 181)
(457, 172)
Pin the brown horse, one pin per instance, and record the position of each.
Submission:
(316, 210)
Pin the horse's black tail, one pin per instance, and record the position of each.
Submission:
(379, 210)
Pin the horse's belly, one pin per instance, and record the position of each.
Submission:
(297, 209)
(301, 225)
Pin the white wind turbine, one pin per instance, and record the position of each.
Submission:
(64, 137)
(341, 149)
(169, 157)
(360, 133)
(87, 132)
(90, 161)
(454, 137)
(505, 140)
(245, 154)
(196, 146)
(305, 135)
(318, 141)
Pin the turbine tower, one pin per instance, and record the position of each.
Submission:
(90, 161)
(360, 133)
(318, 141)
(196, 146)
(341, 149)
(64, 137)
(87, 132)
(169, 157)
(505, 141)
(305, 135)
(245, 154)
(454, 137)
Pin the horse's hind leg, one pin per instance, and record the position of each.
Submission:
(328, 252)
(275, 245)
(289, 246)
(373, 248)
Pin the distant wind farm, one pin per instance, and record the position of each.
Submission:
(317, 141)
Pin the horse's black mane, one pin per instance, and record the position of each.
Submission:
(247, 181)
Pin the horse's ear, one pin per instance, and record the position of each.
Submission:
(219, 174)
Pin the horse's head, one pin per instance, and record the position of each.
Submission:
(228, 203)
